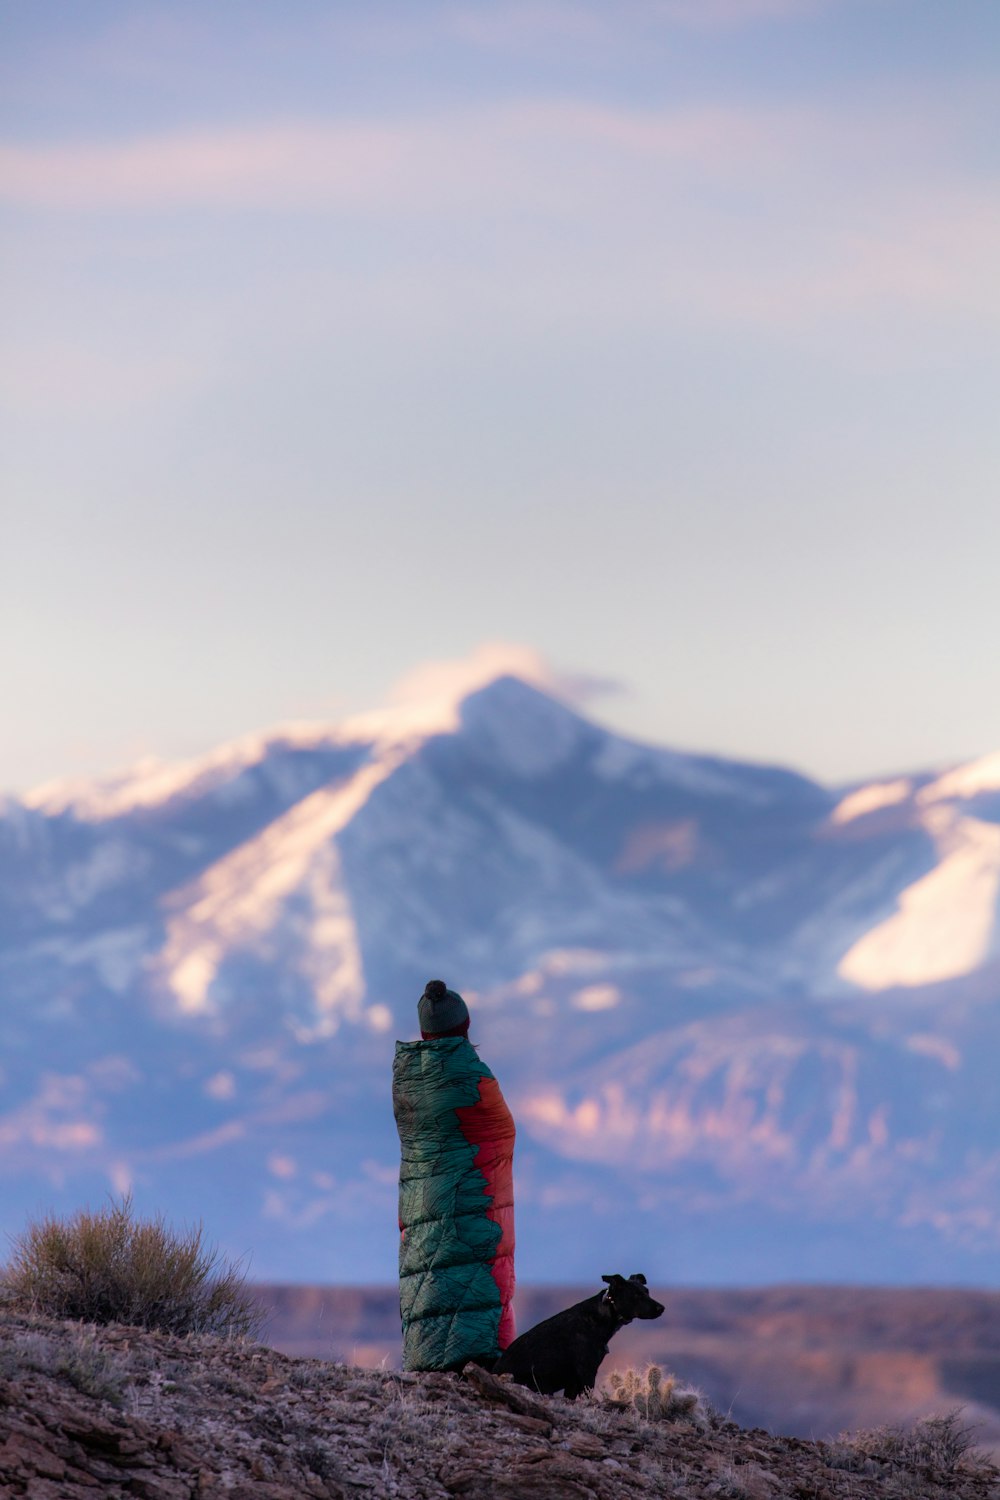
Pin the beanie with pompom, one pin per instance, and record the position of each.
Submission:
(440, 1009)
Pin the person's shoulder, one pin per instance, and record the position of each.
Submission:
(406, 1053)
(481, 1067)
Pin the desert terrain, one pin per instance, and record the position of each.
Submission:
(809, 1361)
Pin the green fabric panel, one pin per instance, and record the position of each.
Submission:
(449, 1301)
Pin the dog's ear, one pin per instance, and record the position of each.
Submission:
(638, 1276)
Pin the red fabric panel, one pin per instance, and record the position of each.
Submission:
(489, 1127)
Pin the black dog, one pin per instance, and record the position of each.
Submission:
(563, 1353)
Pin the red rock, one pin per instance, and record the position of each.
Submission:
(159, 1487)
(24, 1456)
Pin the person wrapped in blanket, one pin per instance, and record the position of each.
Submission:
(456, 1193)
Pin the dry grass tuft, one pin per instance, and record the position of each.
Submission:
(79, 1359)
(108, 1267)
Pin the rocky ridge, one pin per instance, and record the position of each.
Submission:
(118, 1412)
(809, 1361)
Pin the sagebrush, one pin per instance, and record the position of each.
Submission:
(107, 1266)
(937, 1444)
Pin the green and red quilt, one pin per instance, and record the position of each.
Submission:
(456, 1205)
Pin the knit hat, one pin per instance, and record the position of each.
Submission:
(440, 1009)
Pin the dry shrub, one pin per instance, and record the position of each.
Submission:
(943, 1444)
(108, 1267)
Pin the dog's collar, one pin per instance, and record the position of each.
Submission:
(615, 1308)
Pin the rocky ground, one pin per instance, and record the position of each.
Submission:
(809, 1361)
(100, 1413)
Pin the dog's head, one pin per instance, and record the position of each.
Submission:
(630, 1298)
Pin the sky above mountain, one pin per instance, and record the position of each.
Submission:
(659, 337)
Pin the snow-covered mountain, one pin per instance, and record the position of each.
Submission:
(748, 1026)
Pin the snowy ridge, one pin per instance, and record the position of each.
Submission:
(152, 783)
(869, 799)
(232, 908)
(966, 781)
(514, 727)
(947, 922)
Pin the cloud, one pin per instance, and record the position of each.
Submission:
(448, 681)
(360, 165)
(437, 687)
(565, 212)
(426, 700)
(582, 688)
(270, 166)
(63, 1116)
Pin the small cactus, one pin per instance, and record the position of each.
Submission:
(653, 1394)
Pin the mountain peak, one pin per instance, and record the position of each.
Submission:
(520, 727)
(429, 700)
